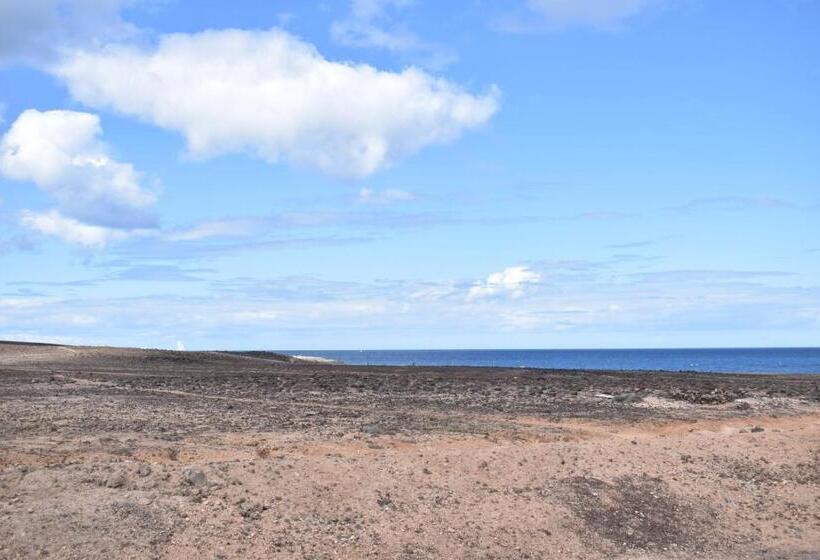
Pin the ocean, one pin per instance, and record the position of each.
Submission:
(722, 360)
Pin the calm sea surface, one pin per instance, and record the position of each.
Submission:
(727, 360)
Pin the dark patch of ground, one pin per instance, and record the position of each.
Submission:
(640, 513)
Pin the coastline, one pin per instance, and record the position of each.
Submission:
(798, 361)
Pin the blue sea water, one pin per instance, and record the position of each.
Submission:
(724, 360)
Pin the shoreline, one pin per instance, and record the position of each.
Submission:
(773, 361)
(307, 357)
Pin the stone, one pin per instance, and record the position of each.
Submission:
(194, 477)
(116, 480)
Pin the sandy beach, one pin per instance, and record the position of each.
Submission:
(125, 453)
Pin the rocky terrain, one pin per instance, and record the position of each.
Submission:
(126, 453)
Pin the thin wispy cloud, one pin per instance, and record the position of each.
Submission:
(557, 15)
(517, 300)
(733, 203)
(15, 243)
(631, 245)
(642, 243)
(159, 249)
(372, 24)
(603, 215)
(229, 227)
(40, 31)
(383, 197)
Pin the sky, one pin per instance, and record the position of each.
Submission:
(377, 174)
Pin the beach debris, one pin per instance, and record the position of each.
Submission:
(604, 396)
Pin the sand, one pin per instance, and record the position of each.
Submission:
(125, 453)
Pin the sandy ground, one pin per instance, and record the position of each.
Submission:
(117, 453)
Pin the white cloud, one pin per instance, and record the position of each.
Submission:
(558, 14)
(214, 228)
(510, 282)
(24, 302)
(387, 196)
(271, 94)
(70, 230)
(32, 336)
(36, 30)
(434, 293)
(71, 319)
(254, 316)
(523, 320)
(60, 152)
(609, 308)
(369, 25)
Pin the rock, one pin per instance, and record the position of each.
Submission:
(373, 429)
(742, 405)
(757, 429)
(144, 470)
(194, 477)
(251, 511)
(116, 480)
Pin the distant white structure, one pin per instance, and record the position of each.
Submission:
(315, 359)
(180, 346)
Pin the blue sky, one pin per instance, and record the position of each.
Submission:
(410, 174)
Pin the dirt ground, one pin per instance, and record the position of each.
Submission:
(124, 453)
